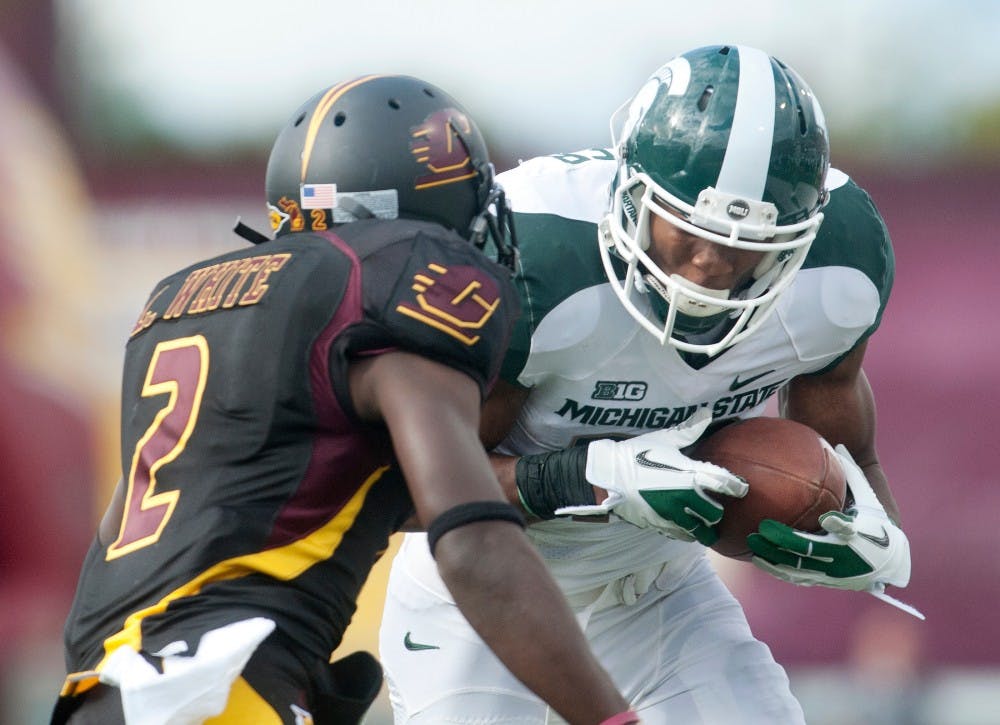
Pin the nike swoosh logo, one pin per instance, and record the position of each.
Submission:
(881, 542)
(416, 646)
(737, 383)
(646, 462)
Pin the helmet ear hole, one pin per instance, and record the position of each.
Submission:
(338, 120)
(394, 104)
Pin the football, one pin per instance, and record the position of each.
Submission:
(793, 478)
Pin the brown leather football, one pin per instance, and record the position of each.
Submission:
(793, 478)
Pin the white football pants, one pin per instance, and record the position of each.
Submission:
(680, 653)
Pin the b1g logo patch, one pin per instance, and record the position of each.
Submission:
(456, 300)
(619, 390)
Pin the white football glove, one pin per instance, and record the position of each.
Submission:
(651, 484)
(861, 549)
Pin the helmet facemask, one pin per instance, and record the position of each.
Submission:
(677, 311)
(495, 220)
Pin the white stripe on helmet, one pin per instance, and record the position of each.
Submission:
(748, 155)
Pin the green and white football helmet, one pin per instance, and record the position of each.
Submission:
(730, 145)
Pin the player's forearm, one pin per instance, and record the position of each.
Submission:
(880, 485)
(505, 469)
(505, 592)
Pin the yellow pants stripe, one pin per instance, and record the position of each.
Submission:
(244, 706)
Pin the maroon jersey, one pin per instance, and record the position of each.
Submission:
(252, 487)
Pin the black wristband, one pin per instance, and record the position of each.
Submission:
(548, 481)
(467, 513)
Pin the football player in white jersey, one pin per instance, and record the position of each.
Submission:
(731, 264)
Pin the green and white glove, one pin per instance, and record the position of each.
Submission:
(861, 548)
(651, 484)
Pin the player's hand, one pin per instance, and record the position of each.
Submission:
(860, 549)
(651, 484)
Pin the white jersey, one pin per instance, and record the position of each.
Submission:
(595, 373)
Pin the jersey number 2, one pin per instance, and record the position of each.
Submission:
(179, 369)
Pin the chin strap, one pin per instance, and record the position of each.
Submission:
(249, 233)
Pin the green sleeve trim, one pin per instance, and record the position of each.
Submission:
(853, 234)
(558, 257)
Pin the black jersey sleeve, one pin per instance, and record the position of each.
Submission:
(427, 291)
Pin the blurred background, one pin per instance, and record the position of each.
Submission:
(132, 134)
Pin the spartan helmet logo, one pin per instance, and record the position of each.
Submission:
(437, 143)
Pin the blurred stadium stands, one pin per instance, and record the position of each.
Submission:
(83, 238)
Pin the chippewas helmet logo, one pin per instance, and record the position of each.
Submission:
(437, 143)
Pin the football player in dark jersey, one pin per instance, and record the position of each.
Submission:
(287, 406)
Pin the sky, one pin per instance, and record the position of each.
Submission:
(540, 76)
